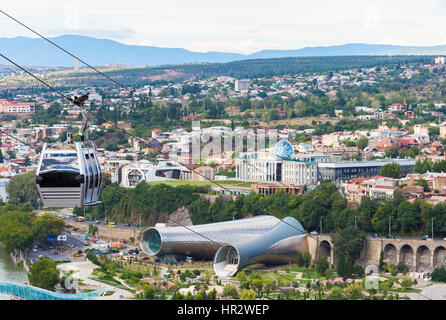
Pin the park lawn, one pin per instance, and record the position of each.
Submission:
(113, 283)
(408, 290)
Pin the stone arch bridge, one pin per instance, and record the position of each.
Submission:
(419, 255)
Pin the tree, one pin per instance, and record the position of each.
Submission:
(408, 216)
(230, 291)
(439, 274)
(392, 152)
(149, 291)
(201, 295)
(363, 142)
(93, 230)
(242, 279)
(423, 183)
(382, 264)
(44, 274)
(322, 265)
(15, 228)
(348, 242)
(269, 285)
(14, 235)
(212, 294)
(22, 188)
(406, 282)
(45, 226)
(354, 291)
(391, 170)
(337, 293)
(385, 286)
(257, 284)
(344, 267)
(304, 259)
(367, 210)
(358, 271)
(248, 295)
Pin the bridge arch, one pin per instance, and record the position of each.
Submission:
(325, 249)
(423, 258)
(390, 254)
(440, 257)
(407, 256)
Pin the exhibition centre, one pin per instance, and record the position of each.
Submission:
(232, 245)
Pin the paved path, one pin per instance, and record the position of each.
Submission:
(434, 292)
(85, 268)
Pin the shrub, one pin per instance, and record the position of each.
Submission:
(439, 274)
(358, 271)
(401, 267)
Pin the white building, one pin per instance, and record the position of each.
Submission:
(439, 60)
(240, 85)
(299, 169)
(144, 170)
(421, 133)
(185, 291)
(3, 193)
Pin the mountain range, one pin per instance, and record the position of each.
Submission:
(102, 52)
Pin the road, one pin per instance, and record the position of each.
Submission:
(64, 249)
(434, 292)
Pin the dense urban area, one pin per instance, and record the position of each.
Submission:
(351, 147)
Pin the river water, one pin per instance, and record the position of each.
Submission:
(9, 271)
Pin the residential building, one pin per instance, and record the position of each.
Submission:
(241, 85)
(14, 107)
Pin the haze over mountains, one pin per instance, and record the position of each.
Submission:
(102, 52)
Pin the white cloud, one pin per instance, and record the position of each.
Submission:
(247, 46)
(234, 25)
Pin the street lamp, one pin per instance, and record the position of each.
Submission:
(390, 226)
(320, 223)
(432, 228)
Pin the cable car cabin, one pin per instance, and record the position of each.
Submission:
(69, 175)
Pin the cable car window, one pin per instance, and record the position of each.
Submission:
(60, 179)
(90, 171)
(60, 162)
(171, 174)
(95, 169)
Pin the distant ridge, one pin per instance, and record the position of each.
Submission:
(102, 52)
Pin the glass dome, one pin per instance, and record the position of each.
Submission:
(283, 149)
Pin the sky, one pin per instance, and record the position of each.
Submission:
(242, 26)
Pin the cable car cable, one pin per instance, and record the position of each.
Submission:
(64, 50)
(133, 136)
(168, 218)
(142, 140)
